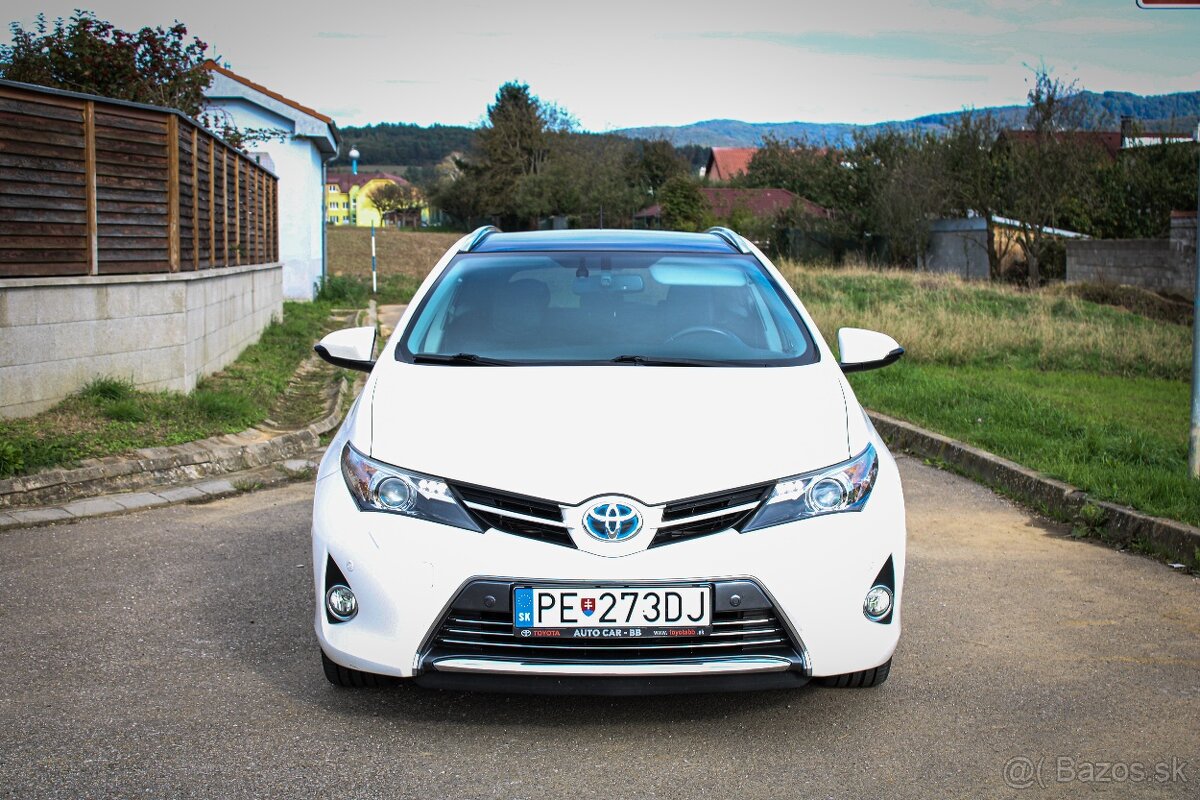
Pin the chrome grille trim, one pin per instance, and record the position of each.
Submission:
(504, 512)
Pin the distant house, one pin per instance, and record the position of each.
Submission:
(726, 163)
(1110, 143)
(723, 202)
(1106, 142)
(348, 200)
(303, 140)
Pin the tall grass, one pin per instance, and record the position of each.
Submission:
(940, 319)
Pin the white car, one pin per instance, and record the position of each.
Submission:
(607, 462)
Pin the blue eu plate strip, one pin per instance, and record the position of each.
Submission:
(523, 608)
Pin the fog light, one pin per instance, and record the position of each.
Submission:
(341, 602)
(878, 603)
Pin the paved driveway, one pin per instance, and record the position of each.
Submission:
(170, 654)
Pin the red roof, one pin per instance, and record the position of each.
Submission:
(726, 162)
(213, 66)
(759, 202)
(345, 180)
(1108, 141)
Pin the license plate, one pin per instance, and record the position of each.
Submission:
(626, 612)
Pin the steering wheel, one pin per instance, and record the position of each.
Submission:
(695, 329)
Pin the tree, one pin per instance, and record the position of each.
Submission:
(395, 198)
(1048, 171)
(86, 54)
(683, 207)
(654, 163)
(909, 192)
(514, 144)
(1138, 192)
(974, 170)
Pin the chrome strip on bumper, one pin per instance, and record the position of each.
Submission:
(716, 666)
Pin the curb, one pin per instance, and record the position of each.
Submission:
(111, 484)
(1111, 523)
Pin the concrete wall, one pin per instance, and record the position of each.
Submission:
(161, 331)
(1160, 265)
(959, 246)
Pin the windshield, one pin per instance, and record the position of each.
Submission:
(594, 307)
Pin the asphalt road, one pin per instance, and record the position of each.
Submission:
(170, 654)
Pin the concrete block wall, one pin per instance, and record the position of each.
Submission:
(959, 247)
(162, 331)
(1160, 265)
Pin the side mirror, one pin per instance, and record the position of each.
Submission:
(351, 348)
(862, 350)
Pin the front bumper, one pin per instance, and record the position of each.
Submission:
(408, 575)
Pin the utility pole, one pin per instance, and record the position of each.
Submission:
(1194, 437)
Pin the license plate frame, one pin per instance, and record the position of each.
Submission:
(615, 612)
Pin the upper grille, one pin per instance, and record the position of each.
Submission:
(516, 514)
(490, 634)
(710, 513)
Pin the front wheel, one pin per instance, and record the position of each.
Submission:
(350, 678)
(858, 680)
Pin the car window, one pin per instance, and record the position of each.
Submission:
(594, 307)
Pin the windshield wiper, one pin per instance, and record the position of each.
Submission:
(667, 361)
(465, 359)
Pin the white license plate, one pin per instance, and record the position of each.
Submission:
(612, 613)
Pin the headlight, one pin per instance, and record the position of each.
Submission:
(376, 486)
(844, 487)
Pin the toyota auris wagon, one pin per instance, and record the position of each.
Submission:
(607, 462)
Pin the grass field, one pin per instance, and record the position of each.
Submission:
(403, 257)
(1090, 394)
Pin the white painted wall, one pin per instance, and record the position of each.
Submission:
(161, 331)
(298, 162)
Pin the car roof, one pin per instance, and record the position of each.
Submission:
(608, 239)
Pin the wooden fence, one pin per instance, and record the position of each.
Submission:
(91, 186)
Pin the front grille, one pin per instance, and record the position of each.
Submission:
(516, 514)
(710, 513)
(489, 634)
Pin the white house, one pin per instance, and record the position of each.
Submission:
(305, 141)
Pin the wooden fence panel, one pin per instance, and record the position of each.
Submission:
(132, 214)
(89, 185)
(43, 187)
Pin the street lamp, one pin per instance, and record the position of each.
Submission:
(353, 160)
(1194, 436)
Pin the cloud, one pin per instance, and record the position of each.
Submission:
(1082, 26)
(347, 35)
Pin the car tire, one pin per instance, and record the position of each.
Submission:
(858, 680)
(350, 678)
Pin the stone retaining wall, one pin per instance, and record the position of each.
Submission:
(162, 331)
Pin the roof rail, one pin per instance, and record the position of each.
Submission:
(737, 242)
(476, 237)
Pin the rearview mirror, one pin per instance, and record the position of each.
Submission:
(862, 349)
(351, 348)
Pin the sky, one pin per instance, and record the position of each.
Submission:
(615, 64)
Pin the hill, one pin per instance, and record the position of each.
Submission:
(1179, 111)
(404, 143)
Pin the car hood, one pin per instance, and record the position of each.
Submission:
(567, 434)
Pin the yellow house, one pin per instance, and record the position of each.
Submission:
(348, 199)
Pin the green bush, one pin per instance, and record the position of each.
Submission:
(342, 291)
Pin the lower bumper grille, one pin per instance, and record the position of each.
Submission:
(470, 630)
